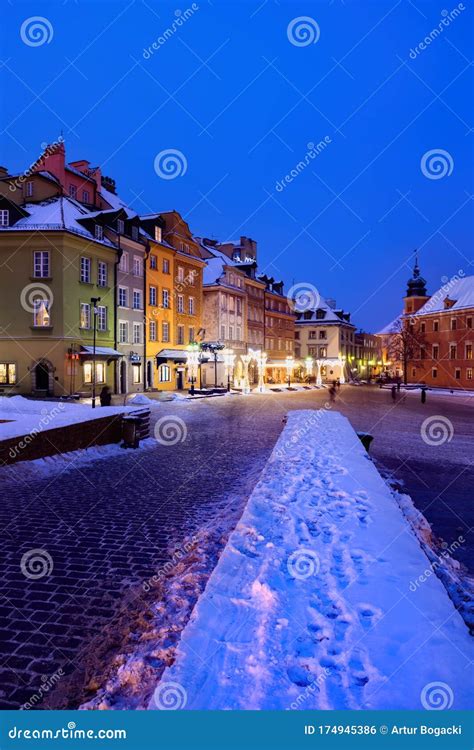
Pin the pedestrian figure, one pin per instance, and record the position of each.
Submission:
(105, 396)
(338, 383)
(394, 392)
(423, 395)
(399, 385)
(332, 392)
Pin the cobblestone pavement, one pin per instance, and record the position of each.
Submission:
(109, 525)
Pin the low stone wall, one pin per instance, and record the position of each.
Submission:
(61, 440)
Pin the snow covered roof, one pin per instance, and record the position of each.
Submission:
(116, 202)
(56, 214)
(101, 351)
(392, 327)
(213, 271)
(330, 315)
(460, 291)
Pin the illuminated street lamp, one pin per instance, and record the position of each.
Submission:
(308, 364)
(289, 364)
(229, 359)
(246, 359)
(261, 358)
(342, 379)
(192, 363)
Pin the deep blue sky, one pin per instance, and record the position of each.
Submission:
(380, 109)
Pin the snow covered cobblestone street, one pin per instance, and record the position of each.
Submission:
(310, 605)
(111, 524)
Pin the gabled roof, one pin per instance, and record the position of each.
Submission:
(392, 327)
(331, 315)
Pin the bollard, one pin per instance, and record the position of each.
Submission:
(423, 395)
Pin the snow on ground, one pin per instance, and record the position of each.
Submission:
(23, 416)
(317, 601)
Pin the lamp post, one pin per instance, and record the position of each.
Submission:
(289, 364)
(319, 380)
(94, 301)
(192, 363)
(308, 365)
(229, 359)
(342, 379)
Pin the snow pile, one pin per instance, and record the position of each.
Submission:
(141, 399)
(312, 603)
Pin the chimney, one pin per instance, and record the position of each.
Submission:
(53, 160)
(331, 303)
(109, 184)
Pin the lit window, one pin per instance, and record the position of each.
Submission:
(469, 373)
(136, 373)
(7, 373)
(165, 295)
(180, 274)
(468, 351)
(41, 317)
(152, 291)
(152, 261)
(85, 319)
(102, 318)
(165, 374)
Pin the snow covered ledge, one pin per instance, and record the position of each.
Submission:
(310, 605)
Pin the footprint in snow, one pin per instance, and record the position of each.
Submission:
(300, 675)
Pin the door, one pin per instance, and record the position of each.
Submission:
(42, 377)
(123, 377)
(149, 374)
(180, 381)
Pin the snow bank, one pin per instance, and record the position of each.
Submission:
(311, 605)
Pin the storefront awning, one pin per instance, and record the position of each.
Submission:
(100, 351)
(175, 355)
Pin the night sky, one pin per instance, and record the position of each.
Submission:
(240, 91)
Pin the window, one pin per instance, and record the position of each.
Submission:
(435, 326)
(222, 332)
(123, 332)
(423, 327)
(29, 189)
(323, 352)
(137, 266)
(101, 318)
(165, 298)
(99, 372)
(152, 295)
(135, 233)
(152, 330)
(422, 352)
(191, 305)
(231, 333)
(434, 373)
(180, 273)
(123, 265)
(41, 317)
(157, 234)
(4, 218)
(120, 226)
(165, 374)
(137, 300)
(99, 232)
(180, 334)
(166, 265)
(312, 334)
(468, 351)
(85, 319)
(72, 191)
(41, 264)
(469, 373)
(435, 352)
(452, 351)
(320, 314)
(454, 323)
(468, 322)
(322, 334)
(457, 373)
(413, 372)
(239, 333)
(85, 196)
(102, 273)
(180, 303)
(152, 261)
(136, 373)
(137, 333)
(165, 332)
(86, 270)
(122, 296)
(239, 306)
(191, 335)
(7, 373)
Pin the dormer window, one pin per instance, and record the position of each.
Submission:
(99, 232)
(72, 191)
(135, 233)
(120, 226)
(320, 314)
(307, 315)
(4, 218)
(158, 234)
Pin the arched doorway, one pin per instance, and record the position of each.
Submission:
(149, 374)
(42, 380)
(123, 376)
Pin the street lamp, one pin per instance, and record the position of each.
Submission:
(342, 379)
(94, 301)
(229, 359)
(246, 359)
(261, 359)
(289, 364)
(192, 363)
